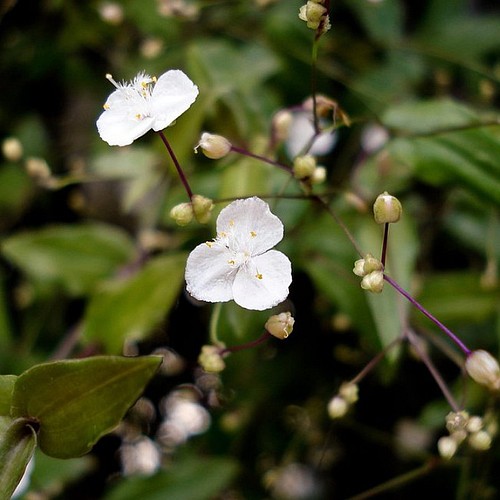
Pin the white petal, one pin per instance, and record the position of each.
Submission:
(264, 282)
(118, 129)
(173, 94)
(209, 277)
(252, 223)
(301, 131)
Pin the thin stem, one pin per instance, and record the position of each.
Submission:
(265, 336)
(244, 152)
(177, 165)
(384, 244)
(214, 321)
(424, 311)
(314, 58)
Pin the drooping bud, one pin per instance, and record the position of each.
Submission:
(447, 447)
(280, 325)
(337, 407)
(373, 282)
(313, 13)
(202, 208)
(213, 146)
(304, 166)
(210, 359)
(12, 149)
(387, 209)
(182, 214)
(484, 369)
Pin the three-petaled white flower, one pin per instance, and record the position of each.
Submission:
(239, 263)
(143, 104)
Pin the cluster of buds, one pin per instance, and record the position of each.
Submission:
(213, 146)
(210, 359)
(306, 170)
(484, 369)
(315, 14)
(341, 402)
(372, 272)
(199, 208)
(463, 427)
(280, 325)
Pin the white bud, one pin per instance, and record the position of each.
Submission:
(319, 175)
(475, 424)
(182, 213)
(349, 392)
(12, 149)
(280, 325)
(373, 282)
(213, 146)
(484, 369)
(447, 447)
(337, 407)
(480, 440)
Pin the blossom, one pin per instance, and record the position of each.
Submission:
(143, 104)
(239, 264)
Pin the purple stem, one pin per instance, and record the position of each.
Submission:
(177, 165)
(424, 311)
(244, 152)
(265, 336)
(384, 243)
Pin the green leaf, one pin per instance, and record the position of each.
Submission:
(128, 309)
(6, 388)
(17, 445)
(74, 257)
(75, 402)
(190, 478)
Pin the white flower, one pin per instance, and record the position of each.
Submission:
(301, 133)
(143, 104)
(238, 264)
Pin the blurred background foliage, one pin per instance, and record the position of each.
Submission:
(91, 262)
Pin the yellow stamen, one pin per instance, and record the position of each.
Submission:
(253, 234)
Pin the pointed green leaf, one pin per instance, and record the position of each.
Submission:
(17, 445)
(74, 257)
(6, 388)
(78, 401)
(129, 309)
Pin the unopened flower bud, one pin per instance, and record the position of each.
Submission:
(447, 447)
(337, 407)
(213, 146)
(372, 264)
(304, 166)
(459, 435)
(319, 175)
(182, 213)
(12, 149)
(202, 208)
(38, 168)
(475, 424)
(484, 369)
(456, 420)
(387, 209)
(281, 123)
(313, 13)
(210, 359)
(480, 440)
(349, 392)
(373, 282)
(280, 325)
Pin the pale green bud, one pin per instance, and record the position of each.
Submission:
(213, 146)
(349, 392)
(373, 282)
(319, 175)
(480, 440)
(475, 424)
(182, 213)
(281, 123)
(280, 325)
(313, 13)
(447, 447)
(202, 208)
(484, 369)
(337, 407)
(210, 359)
(304, 166)
(12, 149)
(456, 420)
(387, 209)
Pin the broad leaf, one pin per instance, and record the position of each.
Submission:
(75, 402)
(129, 308)
(6, 388)
(74, 257)
(17, 445)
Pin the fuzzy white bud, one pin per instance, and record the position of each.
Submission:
(213, 146)
(484, 369)
(337, 407)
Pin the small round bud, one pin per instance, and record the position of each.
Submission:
(304, 166)
(313, 13)
(210, 359)
(280, 325)
(484, 369)
(213, 146)
(182, 213)
(319, 175)
(456, 420)
(387, 209)
(447, 447)
(480, 440)
(359, 267)
(337, 407)
(349, 392)
(281, 124)
(38, 168)
(202, 208)
(475, 424)
(12, 149)
(373, 282)
(372, 264)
